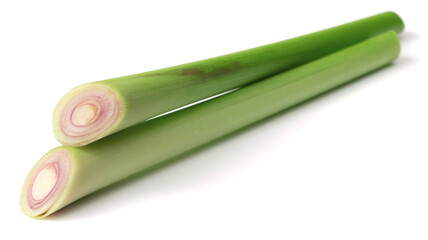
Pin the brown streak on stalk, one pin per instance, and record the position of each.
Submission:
(193, 72)
(198, 72)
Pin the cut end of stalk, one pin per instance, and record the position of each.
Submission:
(45, 184)
(86, 114)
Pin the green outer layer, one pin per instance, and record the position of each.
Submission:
(146, 95)
(130, 151)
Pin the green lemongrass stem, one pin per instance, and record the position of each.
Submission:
(67, 173)
(95, 110)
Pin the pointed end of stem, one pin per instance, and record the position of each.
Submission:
(399, 26)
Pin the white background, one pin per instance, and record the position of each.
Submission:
(352, 164)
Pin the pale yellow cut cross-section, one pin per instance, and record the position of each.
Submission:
(44, 182)
(84, 114)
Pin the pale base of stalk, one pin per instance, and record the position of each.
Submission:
(44, 187)
(87, 113)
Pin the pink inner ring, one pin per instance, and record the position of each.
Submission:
(33, 203)
(107, 112)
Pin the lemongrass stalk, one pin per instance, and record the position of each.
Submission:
(67, 173)
(92, 111)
